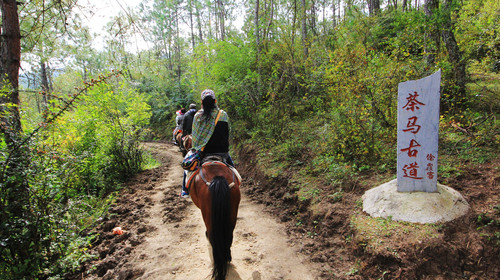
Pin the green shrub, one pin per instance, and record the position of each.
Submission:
(70, 168)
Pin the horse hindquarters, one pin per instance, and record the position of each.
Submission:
(188, 142)
(221, 235)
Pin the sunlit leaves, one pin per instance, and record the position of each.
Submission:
(478, 31)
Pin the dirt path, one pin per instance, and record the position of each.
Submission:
(179, 250)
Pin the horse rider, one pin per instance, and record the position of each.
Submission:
(178, 121)
(187, 127)
(206, 133)
(187, 121)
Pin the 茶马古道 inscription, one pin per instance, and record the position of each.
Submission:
(418, 131)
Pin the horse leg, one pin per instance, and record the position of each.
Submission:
(210, 249)
(200, 195)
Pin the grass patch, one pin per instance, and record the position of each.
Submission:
(149, 161)
(308, 192)
(385, 236)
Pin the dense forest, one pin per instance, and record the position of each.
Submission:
(310, 87)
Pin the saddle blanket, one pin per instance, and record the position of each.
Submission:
(192, 174)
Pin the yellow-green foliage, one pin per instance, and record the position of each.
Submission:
(478, 32)
(109, 117)
(71, 166)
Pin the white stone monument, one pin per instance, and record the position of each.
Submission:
(418, 131)
(415, 196)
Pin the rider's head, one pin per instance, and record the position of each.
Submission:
(207, 93)
(192, 106)
(208, 100)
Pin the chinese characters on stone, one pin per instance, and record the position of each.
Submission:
(411, 170)
(418, 134)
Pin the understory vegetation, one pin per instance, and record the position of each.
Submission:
(75, 155)
(318, 107)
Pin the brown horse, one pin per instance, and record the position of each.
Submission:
(188, 142)
(215, 189)
(178, 141)
(178, 138)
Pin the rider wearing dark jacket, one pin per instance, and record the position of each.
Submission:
(187, 122)
(187, 128)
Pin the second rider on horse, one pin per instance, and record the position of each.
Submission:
(187, 122)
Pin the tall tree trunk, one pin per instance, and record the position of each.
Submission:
(198, 19)
(375, 7)
(339, 17)
(432, 34)
(45, 84)
(258, 44)
(405, 3)
(395, 4)
(14, 193)
(304, 28)
(10, 59)
(334, 11)
(323, 8)
(213, 20)
(270, 20)
(257, 28)
(178, 44)
(170, 64)
(348, 7)
(222, 15)
(191, 23)
(313, 17)
(454, 54)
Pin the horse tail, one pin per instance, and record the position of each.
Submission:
(221, 236)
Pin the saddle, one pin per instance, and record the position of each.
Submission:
(212, 168)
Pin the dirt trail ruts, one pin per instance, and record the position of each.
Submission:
(179, 249)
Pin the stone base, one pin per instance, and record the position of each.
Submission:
(417, 207)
